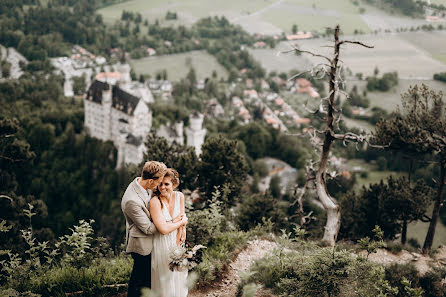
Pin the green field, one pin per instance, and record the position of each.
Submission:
(391, 99)
(316, 16)
(255, 15)
(390, 53)
(178, 65)
(189, 11)
(437, 2)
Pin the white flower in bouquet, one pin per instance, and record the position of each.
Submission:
(182, 258)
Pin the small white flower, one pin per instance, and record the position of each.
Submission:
(185, 262)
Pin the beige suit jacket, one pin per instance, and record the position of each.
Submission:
(138, 224)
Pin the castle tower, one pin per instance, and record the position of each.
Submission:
(178, 128)
(195, 133)
(106, 109)
(125, 79)
(121, 151)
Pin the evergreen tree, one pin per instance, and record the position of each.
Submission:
(177, 156)
(419, 129)
(222, 164)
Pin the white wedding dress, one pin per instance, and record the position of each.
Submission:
(167, 283)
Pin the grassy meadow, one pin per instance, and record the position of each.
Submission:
(178, 65)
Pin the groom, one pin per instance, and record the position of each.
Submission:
(139, 227)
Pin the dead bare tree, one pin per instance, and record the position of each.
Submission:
(332, 116)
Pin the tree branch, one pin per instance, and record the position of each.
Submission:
(294, 48)
(356, 42)
(6, 197)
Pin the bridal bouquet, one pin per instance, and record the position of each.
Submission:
(182, 258)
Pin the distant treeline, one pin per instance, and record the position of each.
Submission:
(440, 76)
(407, 7)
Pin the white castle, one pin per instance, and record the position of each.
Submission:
(116, 109)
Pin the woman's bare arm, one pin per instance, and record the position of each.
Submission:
(159, 220)
(183, 211)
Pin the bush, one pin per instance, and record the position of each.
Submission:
(260, 168)
(90, 279)
(320, 272)
(388, 81)
(205, 224)
(432, 282)
(77, 263)
(394, 247)
(395, 273)
(440, 76)
(413, 242)
(254, 209)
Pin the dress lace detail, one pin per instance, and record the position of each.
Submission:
(167, 283)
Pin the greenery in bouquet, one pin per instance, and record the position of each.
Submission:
(184, 257)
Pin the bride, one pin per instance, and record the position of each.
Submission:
(168, 204)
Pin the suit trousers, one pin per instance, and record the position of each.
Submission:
(141, 274)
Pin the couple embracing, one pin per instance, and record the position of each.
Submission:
(155, 225)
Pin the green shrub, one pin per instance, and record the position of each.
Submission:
(394, 247)
(319, 272)
(432, 282)
(257, 207)
(14, 293)
(260, 167)
(205, 224)
(413, 242)
(395, 273)
(90, 279)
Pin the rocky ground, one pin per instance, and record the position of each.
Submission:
(422, 263)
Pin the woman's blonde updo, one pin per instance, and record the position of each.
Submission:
(174, 176)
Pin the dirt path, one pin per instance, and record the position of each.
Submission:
(422, 263)
(228, 286)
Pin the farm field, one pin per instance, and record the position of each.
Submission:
(316, 16)
(178, 65)
(269, 16)
(391, 52)
(433, 43)
(437, 1)
(190, 10)
(391, 99)
(380, 20)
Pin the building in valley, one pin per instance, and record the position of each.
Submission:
(116, 110)
(113, 113)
